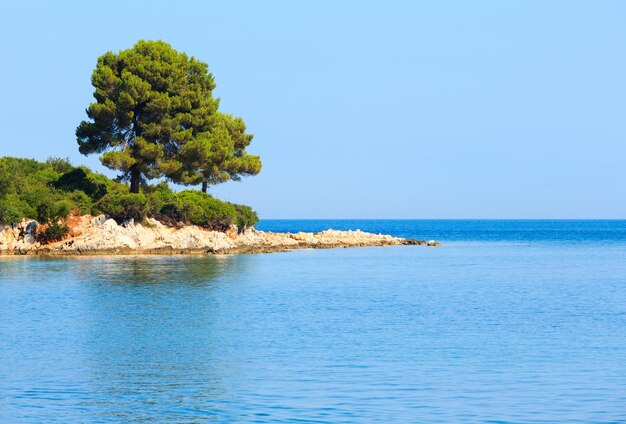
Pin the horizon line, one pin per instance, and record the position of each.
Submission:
(442, 219)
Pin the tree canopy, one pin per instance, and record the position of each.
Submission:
(218, 155)
(155, 116)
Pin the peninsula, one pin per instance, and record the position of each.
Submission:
(101, 235)
(154, 118)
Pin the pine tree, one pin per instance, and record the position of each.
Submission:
(217, 155)
(150, 101)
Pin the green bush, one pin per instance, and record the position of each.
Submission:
(28, 191)
(6, 184)
(60, 165)
(195, 207)
(158, 196)
(13, 209)
(76, 179)
(54, 216)
(246, 217)
(50, 191)
(52, 212)
(80, 202)
(43, 177)
(56, 230)
(122, 206)
(9, 213)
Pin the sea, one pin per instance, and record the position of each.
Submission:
(508, 321)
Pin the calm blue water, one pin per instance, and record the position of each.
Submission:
(508, 321)
(510, 231)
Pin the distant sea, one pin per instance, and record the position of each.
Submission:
(507, 321)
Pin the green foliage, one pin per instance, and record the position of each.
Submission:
(81, 203)
(246, 217)
(195, 207)
(13, 209)
(34, 190)
(199, 208)
(56, 230)
(54, 216)
(155, 116)
(149, 99)
(94, 186)
(61, 165)
(121, 206)
(53, 212)
(158, 196)
(216, 155)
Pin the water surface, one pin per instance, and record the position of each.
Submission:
(508, 321)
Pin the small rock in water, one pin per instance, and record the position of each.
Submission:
(413, 242)
(433, 243)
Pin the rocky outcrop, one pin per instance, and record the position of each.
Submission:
(19, 238)
(99, 235)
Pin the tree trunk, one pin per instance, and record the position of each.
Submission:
(205, 186)
(135, 180)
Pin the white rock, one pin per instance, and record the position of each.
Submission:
(99, 220)
(100, 233)
(110, 223)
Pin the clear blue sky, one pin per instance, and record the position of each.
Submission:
(439, 109)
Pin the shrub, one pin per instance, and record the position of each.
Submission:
(13, 202)
(60, 165)
(50, 191)
(43, 177)
(122, 206)
(52, 212)
(54, 215)
(195, 207)
(246, 217)
(9, 213)
(158, 196)
(6, 183)
(56, 230)
(171, 210)
(81, 203)
(78, 179)
(103, 185)
(13, 209)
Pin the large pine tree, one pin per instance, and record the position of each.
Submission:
(150, 101)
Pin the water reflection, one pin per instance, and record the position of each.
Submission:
(136, 269)
(153, 334)
(129, 333)
(156, 269)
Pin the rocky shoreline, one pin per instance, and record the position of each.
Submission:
(101, 236)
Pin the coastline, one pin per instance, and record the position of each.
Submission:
(103, 236)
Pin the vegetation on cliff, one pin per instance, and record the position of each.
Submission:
(50, 191)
